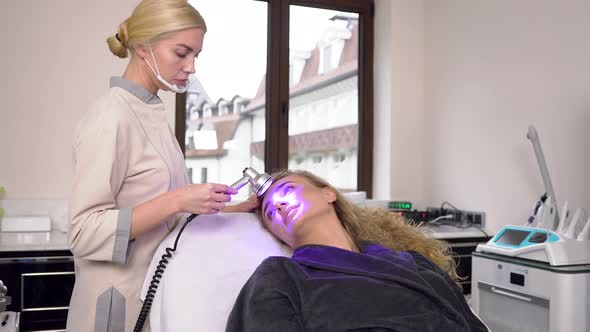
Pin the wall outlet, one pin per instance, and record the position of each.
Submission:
(476, 218)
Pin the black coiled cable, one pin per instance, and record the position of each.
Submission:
(151, 293)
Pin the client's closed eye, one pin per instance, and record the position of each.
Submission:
(288, 189)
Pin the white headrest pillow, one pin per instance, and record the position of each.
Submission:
(216, 255)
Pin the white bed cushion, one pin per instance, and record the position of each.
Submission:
(216, 255)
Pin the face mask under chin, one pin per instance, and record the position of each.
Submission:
(172, 87)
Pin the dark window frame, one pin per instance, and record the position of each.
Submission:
(277, 93)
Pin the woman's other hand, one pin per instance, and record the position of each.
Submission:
(249, 205)
(205, 198)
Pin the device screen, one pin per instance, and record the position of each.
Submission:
(512, 237)
(517, 279)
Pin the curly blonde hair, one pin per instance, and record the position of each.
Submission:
(382, 227)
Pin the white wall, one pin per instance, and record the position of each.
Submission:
(458, 82)
(399, 100)
(492, 69)
(54, 63)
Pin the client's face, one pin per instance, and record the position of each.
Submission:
(291, 204)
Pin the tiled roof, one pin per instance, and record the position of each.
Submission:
(315, 141)
(310, 77)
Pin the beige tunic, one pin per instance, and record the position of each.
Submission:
(125, 154)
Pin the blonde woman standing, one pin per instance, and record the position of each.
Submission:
(130, 186)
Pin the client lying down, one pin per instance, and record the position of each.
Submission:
(352, 269)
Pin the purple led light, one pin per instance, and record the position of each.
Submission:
(292, 197)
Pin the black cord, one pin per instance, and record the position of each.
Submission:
(151, 293)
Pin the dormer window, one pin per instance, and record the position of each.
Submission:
(238, 105)
(332, 43)
(222, 107)
(193, 113)
(207, 111)
(297, 60)
(326, 61)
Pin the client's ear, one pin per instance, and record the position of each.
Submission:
(329, 195)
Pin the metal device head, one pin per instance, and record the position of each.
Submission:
(260, 181)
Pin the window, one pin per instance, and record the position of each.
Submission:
(325, 59)
(203, 174)
(307, 87)
(207, 111)
(223, 108)
(189, 171)
(339, 157)
(238, 104)
(189, 140)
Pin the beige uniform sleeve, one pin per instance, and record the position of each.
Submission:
(99, 229)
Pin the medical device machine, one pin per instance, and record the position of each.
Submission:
(260, 183)
(535, 277)
(552, 238)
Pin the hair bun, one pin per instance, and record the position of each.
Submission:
(121, 35)
(117, 42)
